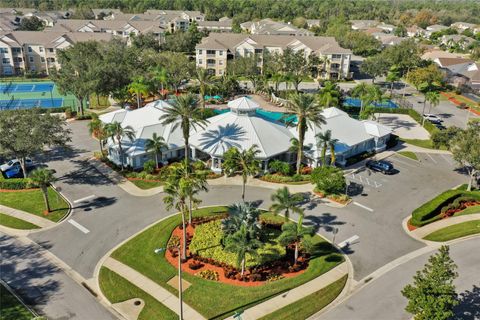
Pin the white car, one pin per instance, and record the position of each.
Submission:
(432, 118)
(15, 163)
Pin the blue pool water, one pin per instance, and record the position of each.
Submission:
(26, 87)
(355, 102)
(271, 115)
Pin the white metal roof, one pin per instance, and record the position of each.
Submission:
(243, 104)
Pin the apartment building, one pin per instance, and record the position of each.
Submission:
(215, 51)
(271, 27)
(35, 51)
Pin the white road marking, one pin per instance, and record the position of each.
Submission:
(431, 157)
(84, 199)
(377, 185)
(405, 163)
(362, 206)
(446, 158)
(78, 226)
(348, 241)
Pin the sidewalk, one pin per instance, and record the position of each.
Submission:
(251, 182)
(156, 291)
(29, 217)
(420, 233)
(295, 294)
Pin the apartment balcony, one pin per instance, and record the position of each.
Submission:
(211, 65)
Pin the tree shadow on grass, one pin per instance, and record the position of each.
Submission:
(469, 306)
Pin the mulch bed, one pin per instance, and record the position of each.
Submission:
(456, 102)
(446, 215)
(172, 258)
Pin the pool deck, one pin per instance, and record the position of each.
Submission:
(264, 104)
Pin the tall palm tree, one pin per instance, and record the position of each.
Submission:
(184, 111)
(97, 129)
(117, 132)
(277, 78)
(204, 81)
(138, 87)
(362, 91)
(392, 77)
(42, 178)
(329, 95)
(243, 162)
(176, 195)
(156, 144)
(294, 233)
(323, 139)
(307, 110)
(242, 244)
(331, 145)
(287, 202)
(159, 77)
(433, 98)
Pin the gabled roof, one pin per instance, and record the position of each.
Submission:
(445, 62)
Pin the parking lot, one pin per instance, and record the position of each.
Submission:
(372, 223)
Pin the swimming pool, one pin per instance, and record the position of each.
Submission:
(355, 102)
(271, 115)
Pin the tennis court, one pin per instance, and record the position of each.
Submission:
(26, 87)
(31, 103)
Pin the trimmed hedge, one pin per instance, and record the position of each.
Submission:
(431, 211)
(295, 179)
(16, 184)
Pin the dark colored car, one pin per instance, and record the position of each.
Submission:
(440, 126)
(381, 166)
(14, 172)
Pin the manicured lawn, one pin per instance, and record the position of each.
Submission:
(309, 305)
(142, 184)
(419, 143)
(213, 299)
(469, 210)
(15, 223)
(32, 202)
(11, 308)
(408, 154)
(117, 289)
(456, 231)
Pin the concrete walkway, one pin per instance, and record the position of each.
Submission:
(422, 232)
(409, 147)
(29, 217)
(295, 294)
(152, 288)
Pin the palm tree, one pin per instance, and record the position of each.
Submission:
(285, 201)
(367, 93)
(184, 111)
(308, 113)
(176, 197)
(138, 87)
(323, 139)
(243, 162)
(331, 145)
(294, 233)
(42, 178)
(392, 77)
(433, 98)
(97, 129)
(156, 144)
(329, 95)
(159, 76)
(117, 132)
(204, 80)
(242, 244)
(277, 78)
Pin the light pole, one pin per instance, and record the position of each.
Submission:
(159, 250)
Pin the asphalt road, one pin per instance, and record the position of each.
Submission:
(44, 286)
(382, 299)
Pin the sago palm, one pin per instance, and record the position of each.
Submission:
(43, 178)
(308, 113)
(156, 144)
(242, 244)
(117, 132)
(294, 233)
(284, 201)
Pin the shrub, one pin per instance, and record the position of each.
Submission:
(274, 277)
(16, 184)
(199, 165)
(208, 274)
(281, 167)
(329, 179)
(173, 242)
(444, 137)
(195, 265)
(298, 178)
(87, 116)
(149, 166)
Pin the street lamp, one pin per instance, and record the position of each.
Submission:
(160, 250)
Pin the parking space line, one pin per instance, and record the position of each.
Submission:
(78, 226)
(84, 199)
(434, 161)
(446, 158)
(405, 163)
(348, 241)
(362, 206)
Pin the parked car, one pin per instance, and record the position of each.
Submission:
(381, 166)
(432, 118)
(14, 172)
(16, 163)
(439, 126)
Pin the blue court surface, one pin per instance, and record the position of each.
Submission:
(31, 103)
(354, 102)
(30, 87)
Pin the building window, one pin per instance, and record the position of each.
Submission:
(200, 61)
(29, 49)
(336, 56)
(50, 49)
(210, 61)
(199, 51)
(210, 51)
(220, 62)
(30, 59)
(19, 59)
(40, 48)
(42, 59)
(258, 50)
(16, 50)
(220, 52)
(3, 50)
(6, 61)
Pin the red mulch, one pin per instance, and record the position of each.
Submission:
(455, 101)
(410, 226)
(18, 190)
(448, 215)
(206, 266)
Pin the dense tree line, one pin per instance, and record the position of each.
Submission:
(422, 12)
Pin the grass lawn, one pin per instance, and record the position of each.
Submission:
(456, 231)
(469, 210)
(408, 154)
(32, 202)
(11, 308)
(142, 184)
(210, 298)
(309, 305)
(419, 143)
(118, 289)
(15, 223)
